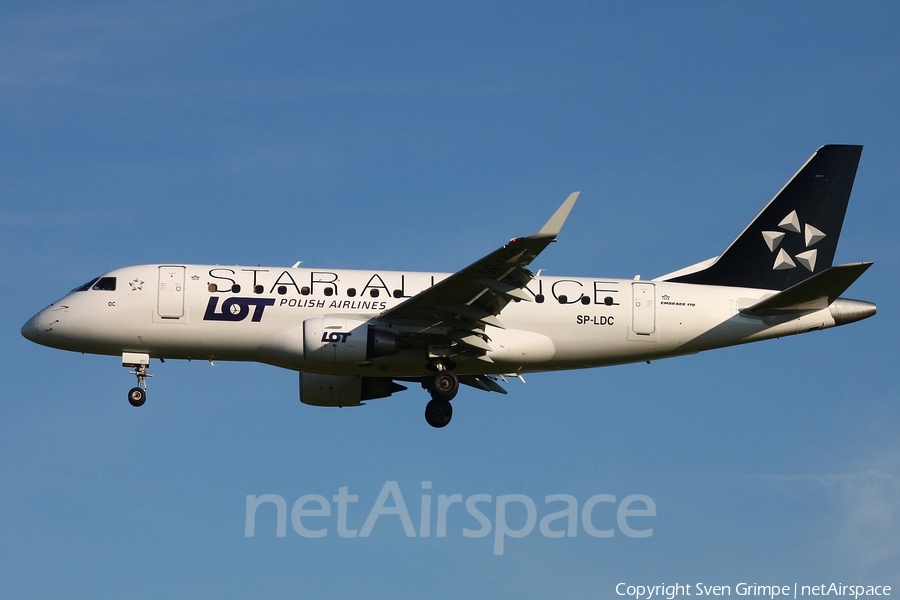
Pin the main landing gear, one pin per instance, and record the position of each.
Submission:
(442, 387)
(137, 395)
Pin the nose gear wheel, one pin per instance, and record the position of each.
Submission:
(138, 395)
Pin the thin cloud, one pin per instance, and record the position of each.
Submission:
(866, 512)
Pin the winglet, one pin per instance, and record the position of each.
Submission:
(552, 227)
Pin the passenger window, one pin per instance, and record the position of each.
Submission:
(106, 284)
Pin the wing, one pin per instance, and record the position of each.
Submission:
(458, 308)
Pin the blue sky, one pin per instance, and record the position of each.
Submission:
(422, 136)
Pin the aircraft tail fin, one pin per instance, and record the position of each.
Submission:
(796, 234)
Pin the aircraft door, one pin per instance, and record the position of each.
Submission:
(171, 292)
(643, 308)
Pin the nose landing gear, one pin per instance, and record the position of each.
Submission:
(137, 396)
(139, 362)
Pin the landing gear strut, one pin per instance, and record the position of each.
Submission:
(137, 395)
(443, 388)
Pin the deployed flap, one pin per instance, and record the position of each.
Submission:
(474, 296)
(482, 382)
(815, 293)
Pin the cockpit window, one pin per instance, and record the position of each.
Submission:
(107, 284)
(86, 286)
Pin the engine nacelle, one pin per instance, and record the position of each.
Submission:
(339, 341)
(344, 390)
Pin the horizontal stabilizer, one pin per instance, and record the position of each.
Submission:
(814, 293)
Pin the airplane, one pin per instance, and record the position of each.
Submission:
(359, 335)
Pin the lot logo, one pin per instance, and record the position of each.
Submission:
(335, 336)
(237, 309)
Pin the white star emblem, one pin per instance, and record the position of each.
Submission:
(783, 260)
(136, 285)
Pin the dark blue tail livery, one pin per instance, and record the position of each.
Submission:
(796, 234)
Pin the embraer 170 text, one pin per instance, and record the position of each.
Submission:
(354, 335)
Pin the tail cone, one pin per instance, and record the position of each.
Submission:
(847, 311)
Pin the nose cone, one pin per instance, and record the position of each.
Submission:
(32, 329)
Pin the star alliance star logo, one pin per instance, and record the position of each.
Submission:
(783, 260)
(136, 285)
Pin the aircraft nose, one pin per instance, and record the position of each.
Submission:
(32, 329)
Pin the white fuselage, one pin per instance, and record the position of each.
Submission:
(258, 314)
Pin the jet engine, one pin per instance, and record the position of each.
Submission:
(344, 390)
(339, 341)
